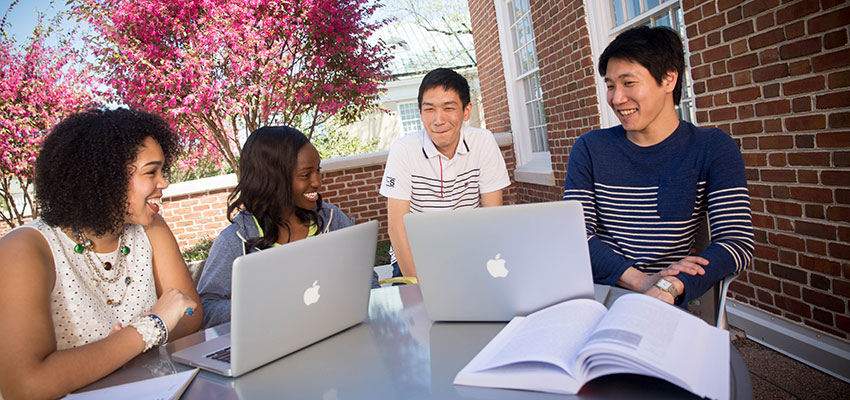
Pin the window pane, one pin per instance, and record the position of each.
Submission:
(632, 8)
(408, 113)
(652, 3)
(619, 15)
(664, 21)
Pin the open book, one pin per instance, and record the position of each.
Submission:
(560, 348)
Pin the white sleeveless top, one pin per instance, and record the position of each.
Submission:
(78, 304)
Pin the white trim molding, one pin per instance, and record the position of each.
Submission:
(818, 350)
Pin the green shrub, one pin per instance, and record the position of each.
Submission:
(200, 251)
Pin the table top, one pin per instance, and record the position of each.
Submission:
(397, 353)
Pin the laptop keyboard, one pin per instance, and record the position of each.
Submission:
(222, 355)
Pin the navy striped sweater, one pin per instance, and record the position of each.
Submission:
(643, 205)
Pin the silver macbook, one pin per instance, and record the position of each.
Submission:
(288, 297)
(494, 263)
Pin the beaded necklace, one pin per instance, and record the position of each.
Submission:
(85, 248)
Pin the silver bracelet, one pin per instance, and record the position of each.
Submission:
(148, 327)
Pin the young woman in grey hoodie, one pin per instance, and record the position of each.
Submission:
(276, 202)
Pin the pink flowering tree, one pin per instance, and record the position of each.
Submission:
(218, 69)
(39, 85)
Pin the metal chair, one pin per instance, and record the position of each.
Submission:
(712, 304)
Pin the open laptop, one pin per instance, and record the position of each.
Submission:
(291, 296)
(494, 263)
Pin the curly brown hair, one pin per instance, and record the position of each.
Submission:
(82, 171)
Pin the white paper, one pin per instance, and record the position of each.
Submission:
(161, 388)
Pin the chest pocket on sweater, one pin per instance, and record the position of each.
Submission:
(677, 196)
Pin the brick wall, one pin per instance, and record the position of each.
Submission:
(777, 77)
(350, 183)
(775, 74)
(566, 74)
(491, 74)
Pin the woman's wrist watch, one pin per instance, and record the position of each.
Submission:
(668, 287)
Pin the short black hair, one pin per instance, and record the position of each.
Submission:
(82, 169)
(658, 49)
(266, 167)
(448, 80)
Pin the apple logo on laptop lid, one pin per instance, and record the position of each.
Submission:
(496, 267)
(311, 295)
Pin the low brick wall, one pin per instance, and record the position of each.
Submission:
(197, 209)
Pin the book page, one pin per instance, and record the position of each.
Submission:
(552, 335)
(656, 339)
(160, 388)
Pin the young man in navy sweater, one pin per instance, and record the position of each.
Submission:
(648, 183)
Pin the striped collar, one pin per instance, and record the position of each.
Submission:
(429, 150)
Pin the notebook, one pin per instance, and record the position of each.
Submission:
(494, 263)
(291, 296)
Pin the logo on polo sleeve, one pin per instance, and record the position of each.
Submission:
(390, 181)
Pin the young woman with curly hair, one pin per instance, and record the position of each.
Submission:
(277, 200)
(98, 278)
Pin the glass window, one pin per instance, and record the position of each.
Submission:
(408, 113)
(528, 76)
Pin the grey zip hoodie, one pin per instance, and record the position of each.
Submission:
(215, 283)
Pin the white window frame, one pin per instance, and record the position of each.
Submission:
(401, 120)
(532, 167)
(600, 24)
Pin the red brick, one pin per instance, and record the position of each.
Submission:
(739, 47)
(738, 287)
(811, 194)
(795, 30)
(797, 10)
(833, 139)
(800, 67)
(770, 73)
(817, 230)
(769, 56)
(784, 208)
(778, 175)
(841, 287)
(710, 24)
(838, 214)
(775, 107)
(764, 296)
(800, 48)
(835, 39)
(736, 31)
(824, 300)
(720, 83)
(746, 111)
(791, 289)
(757, 7)
(766, 21)
(841, 159)
(713, 39)
(787, 241)
(756, 190)
(792, 274)
(801, 104)
(805, 123)
(835, 178)
(806, 85)
(723, 114)
(809, 159)
(816, 246)
(744, 128)
(839, 250)
(839, 79)
(794, 306)
(807, 176)
(776, 142)
(781, 191)
(833, 100)
(832, 60)
(822, 316)
(825, 22)
(766, 252)
(814, 211)
(744, 95)
(842, 196)
(777, 160)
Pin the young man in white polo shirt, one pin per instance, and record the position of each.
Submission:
(444, 167)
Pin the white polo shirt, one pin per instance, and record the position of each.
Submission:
(418, 172)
